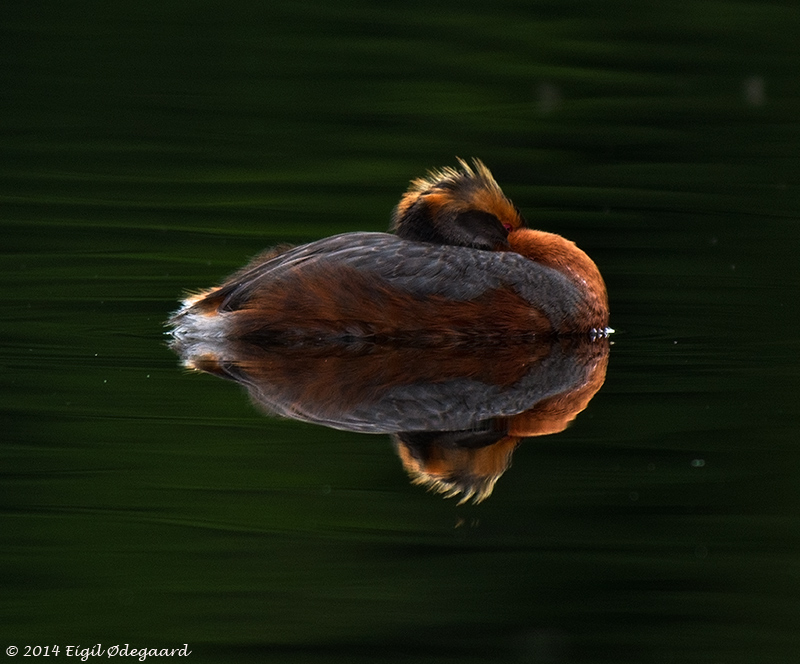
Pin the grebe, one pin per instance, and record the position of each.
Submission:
(461, 265)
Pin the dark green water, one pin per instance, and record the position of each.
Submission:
(149, 148)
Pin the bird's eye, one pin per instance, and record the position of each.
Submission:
(508, 227)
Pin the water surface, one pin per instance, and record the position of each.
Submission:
(149, 149)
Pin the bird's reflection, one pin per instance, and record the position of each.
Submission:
(455, 414)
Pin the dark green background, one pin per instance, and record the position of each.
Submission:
(152, 147)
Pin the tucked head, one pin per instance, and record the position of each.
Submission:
(463, 207)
